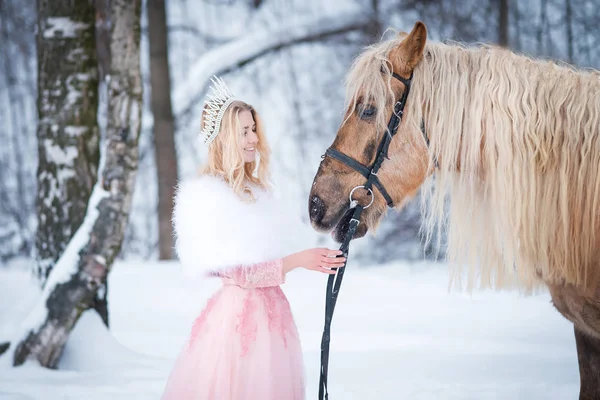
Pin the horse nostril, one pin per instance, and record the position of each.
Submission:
(316, 209)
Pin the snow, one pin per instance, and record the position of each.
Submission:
(397, 333)
(62, 27)
(60, 155)
(75, 131)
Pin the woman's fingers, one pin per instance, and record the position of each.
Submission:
(333, 261)
(329, 271)
(327, 261)
(330, 253)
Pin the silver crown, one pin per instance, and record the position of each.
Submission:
(215, 106)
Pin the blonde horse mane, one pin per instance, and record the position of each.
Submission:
(518, 144)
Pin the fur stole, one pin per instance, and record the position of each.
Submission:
(215, 230)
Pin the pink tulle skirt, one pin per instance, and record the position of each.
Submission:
(243, 346)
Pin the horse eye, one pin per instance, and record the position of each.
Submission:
(367, 112)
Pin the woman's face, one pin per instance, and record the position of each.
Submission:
(249, 136)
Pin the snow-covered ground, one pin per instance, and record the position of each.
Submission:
(397, 334)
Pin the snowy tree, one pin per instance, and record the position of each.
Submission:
(17, 130)
(83, 267)
(67, 132)
(250, 47)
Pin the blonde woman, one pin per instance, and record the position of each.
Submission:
(244, 344)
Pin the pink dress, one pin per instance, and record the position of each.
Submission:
(244, 345)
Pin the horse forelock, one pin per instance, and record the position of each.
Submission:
(365, 81)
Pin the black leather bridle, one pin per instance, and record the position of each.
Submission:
(370, 173)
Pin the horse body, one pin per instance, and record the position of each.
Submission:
(516, 145)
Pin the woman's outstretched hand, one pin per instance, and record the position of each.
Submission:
(317, 259)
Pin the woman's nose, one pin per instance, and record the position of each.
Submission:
(253, 138)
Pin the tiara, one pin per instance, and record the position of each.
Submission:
(215, 106)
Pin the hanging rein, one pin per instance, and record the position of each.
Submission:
(370, 173)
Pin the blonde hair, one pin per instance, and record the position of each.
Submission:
(225, 156)
(518, 144)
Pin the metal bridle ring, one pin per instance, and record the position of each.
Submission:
(370, 192)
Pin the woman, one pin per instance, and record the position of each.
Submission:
(244, 344)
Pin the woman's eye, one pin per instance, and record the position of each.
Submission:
(367, 112)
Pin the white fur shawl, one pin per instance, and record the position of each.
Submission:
(215, 230)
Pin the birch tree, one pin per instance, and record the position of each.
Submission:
(86, 262)
(67, 131)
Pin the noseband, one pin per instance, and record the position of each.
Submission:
(370, 173)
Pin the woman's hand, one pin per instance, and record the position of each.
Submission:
(318, 259)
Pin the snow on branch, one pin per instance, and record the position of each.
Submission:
(63, 27)
(248, 48)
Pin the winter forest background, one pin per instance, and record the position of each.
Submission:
(286, 57)
(295, 81)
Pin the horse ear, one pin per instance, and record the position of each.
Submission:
(410, 51)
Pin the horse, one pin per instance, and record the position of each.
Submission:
(504, 149)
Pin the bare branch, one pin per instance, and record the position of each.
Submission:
(251, 47)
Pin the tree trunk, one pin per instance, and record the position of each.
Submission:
(103, 37)
(103, 56)
(569, 26)
(67, 131)
(373, 28)
(541, 32)
(84, 266)
(503, 23)
(164, 125)
(516, 17)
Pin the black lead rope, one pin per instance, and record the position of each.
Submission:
(334, 282)
(333, 287)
